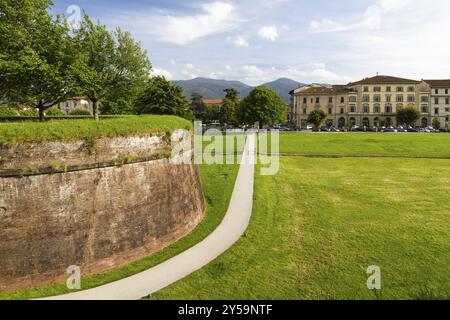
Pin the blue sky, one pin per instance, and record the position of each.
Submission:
(308, 41)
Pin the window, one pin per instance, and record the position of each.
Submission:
(447, 109)
(352, 109)
(399, 89)
(342, 100)
(388, 98)
(436, 110)
(376, 108)
(304, 100)
(330, 100)
(447, 101)
(342, 110)
(366, 98)
(436, 100)
(305, 111)
(366, 89)
(330, 111)
(352, 99)
(377, 89)
(424, 109)
(388, 89)
(399, 98)
(388, 109)
(410, 89)
(436, 91)
(366, 109)
(317, 100)
(411, 98)
(446, 91)
(424, 99)
(377, 98)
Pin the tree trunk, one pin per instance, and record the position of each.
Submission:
(96, 111)
(41, 114)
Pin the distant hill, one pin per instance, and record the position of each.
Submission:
(283, 86)
(211, 88)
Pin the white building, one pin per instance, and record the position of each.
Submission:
(440, 100)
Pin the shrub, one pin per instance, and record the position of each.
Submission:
(32, 112)
(6, 112)
(54, 112)
(80, 111)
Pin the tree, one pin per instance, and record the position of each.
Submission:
(109, 64)
(263, 105)
(316, 118)
(163, 97)
(436, 123)
(407, 116)
(229, 106)
(198, 107)
(36, 54)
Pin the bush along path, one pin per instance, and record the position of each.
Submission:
(229, 232)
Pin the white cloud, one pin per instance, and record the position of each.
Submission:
(239, 41)
(172, 62)
(190, 66)
(161, 72)
(269, 33)
(216, 18)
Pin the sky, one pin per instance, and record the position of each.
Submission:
(255, 42)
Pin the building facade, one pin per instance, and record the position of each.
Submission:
(75, 102)
(372, 101)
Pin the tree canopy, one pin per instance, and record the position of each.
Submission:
(163, 97)
(316, 118)
(407, 116)
(263, 105)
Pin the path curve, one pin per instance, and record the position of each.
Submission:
(227, 233)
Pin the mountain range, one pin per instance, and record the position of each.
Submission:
(212, 88)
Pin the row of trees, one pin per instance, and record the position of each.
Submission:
(262, 105)
(43, 62)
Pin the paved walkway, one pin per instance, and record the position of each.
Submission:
(229, 231)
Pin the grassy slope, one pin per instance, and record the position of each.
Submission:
(18, 132)
(218, 182)
(328, 221)
(370, 143)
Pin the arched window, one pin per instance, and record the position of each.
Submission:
(376, 122)
(365, 122)
(424, 122)
(352, 121)
(341, 122)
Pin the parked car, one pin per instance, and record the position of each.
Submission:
(443, 130)
(371, 129)
(357, 129)
(424, 130)
(412, 130)
(390, 130)
(333, 129)
(401, 129)
(324, 129)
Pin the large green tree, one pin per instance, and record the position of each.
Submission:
(109, 65)
(316, 118)
(407, 116)
(163, 97)
(229, 107)
(198, 107)
(36, 54)
(263, 105)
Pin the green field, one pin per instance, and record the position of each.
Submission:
(64, 130)
(218, 183)
(366, 143)
(320, 223)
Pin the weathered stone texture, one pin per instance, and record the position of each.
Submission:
(96, 219)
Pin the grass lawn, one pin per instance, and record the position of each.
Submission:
(366, 143)
(320, 223)
(63, 130)
(218, 183)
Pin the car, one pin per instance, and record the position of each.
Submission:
(412, 130)
(357, 129)
(333, 129)
(401, 129)
(371, 129)
(424, 130)
(390, 130)
(324, 129)
(443, 130)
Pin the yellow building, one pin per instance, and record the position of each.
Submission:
(369, 102)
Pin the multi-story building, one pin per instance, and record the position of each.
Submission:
(440, 100)
(369, 102)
